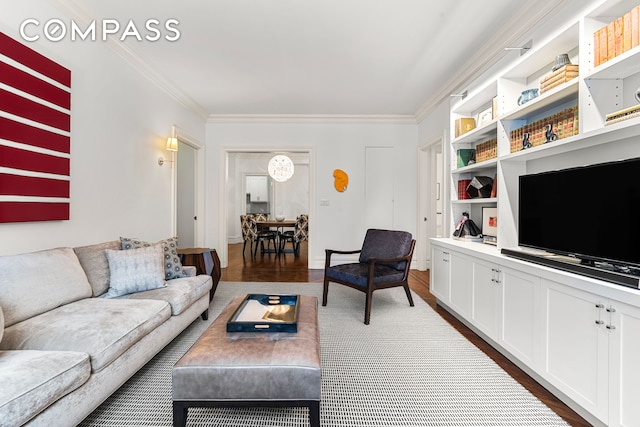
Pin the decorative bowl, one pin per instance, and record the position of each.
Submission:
(279, 217)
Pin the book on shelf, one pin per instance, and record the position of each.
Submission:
(464, 125)
(635, 26)
(494, 187)
(462, 189)
(464, 156)
(611, 41)
(626, 32)
(622, 115)
(618, 28)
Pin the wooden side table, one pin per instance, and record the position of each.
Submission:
(205, 261)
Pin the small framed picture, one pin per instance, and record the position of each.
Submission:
(490, 222)
(485, 116)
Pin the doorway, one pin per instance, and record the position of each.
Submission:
(431, 198)
(189, 193)
(289, 198)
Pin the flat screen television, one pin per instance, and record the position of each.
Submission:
(590, 212)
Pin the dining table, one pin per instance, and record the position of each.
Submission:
(279, 226)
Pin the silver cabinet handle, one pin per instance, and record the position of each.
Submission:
(599, 322)
(599, 305)
(610, 327)
(611, 310)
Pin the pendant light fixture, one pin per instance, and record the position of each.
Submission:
(280, 168)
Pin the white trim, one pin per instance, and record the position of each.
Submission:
(311, 118)
(199, 191)
(426, 200)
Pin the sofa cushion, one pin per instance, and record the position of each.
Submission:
(93, 259)
(135, 270)
(386, 244)
(179, 293)
(357, 273)
(171, 260)
(33, 283)
(33, 380)
(1, 324)
(103, 328)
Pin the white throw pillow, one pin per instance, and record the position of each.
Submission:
(135, 270)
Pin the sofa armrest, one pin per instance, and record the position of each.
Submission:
(189, 270)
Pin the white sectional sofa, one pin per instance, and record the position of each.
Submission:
(64, 347)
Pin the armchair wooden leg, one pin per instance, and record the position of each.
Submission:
(367, 307)
(408, 292)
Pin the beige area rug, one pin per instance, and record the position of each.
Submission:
(409, 367)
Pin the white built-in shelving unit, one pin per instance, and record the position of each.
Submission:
(575, 334)
(597, 91)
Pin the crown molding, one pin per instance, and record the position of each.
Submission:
(312, 118)
(76, 12)
(518, 28)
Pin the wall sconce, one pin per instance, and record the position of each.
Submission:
(172, 145)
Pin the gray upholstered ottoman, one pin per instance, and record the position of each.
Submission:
(251, 369)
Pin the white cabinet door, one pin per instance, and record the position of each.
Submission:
(461, 283)
(623, 324)
(439, 280)
(576, 346)
(487, 304)
(520, 328)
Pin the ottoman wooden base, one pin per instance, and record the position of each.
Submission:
(251, 369)
(180, 408)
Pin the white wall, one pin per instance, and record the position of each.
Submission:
(119, 125)
(333, 146)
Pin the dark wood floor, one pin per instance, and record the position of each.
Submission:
(287, 268)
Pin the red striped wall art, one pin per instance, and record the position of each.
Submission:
(35, 135)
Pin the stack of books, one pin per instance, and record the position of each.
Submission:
(617, 37)
(622, 115)
(564, 124)
(559, 76)
(487, 150)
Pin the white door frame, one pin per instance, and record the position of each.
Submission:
(428, 191)
(223, 177)
(198, 192)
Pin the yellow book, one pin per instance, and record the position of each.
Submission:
(635, 26)
(626, 32)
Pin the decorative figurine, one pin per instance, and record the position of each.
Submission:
(466, 227)
(525, 141)
(551, 136)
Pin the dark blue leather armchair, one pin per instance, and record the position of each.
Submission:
(384, 263)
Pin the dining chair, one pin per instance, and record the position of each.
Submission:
(299, 233)
(264, 234)
(249, 231)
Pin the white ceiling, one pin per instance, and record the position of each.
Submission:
(322, 57)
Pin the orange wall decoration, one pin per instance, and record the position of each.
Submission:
(341, 180)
